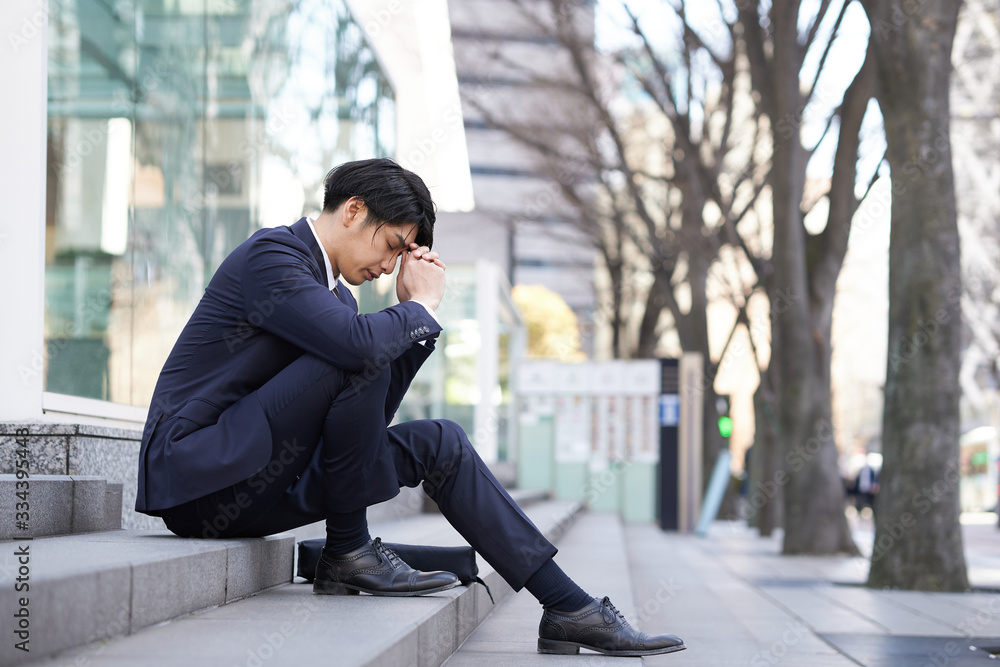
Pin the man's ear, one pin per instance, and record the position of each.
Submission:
(354, 211)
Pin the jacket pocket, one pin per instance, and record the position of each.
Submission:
(200, 412)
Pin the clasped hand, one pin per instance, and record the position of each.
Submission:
(421, 277)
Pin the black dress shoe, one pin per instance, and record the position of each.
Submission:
(602, 628)
(376, 569)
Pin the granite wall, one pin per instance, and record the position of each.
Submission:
(81, 449)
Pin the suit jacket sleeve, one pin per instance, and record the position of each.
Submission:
(403, 370)
(283, 296)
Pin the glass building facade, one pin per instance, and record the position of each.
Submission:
(172, 130)
(175, 129)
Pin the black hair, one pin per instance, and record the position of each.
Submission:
(394, 196)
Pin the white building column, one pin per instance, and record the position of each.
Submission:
(23, 127)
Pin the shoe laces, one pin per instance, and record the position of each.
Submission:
(387, 553)
(609, 613)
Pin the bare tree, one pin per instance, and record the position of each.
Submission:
(918, 539)
(722, 116)
(805, 266)
(639, 181)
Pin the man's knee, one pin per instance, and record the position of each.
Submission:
(452, 448)
(454, 441)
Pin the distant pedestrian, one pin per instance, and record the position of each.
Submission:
(866, 487)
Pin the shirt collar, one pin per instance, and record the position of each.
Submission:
(330, 278)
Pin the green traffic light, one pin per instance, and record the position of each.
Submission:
(725, 426)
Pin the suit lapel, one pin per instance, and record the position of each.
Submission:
(304, 234)
(302, 231)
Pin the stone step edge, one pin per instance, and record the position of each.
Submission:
(470, 608)
(137, 591)
(137, 579)
(58, 505)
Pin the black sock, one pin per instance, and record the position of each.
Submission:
(555, 590)
(347, 531)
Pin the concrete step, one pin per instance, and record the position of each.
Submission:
(527, 497)
(86, 587)
(593, 554)
(523, 498)
(58, 505)
(288, 625)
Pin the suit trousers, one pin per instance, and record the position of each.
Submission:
(331, 446)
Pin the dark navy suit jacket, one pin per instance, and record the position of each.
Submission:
(268, 304)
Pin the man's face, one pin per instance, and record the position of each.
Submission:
(365, 254)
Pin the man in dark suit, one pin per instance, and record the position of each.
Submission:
(272, 411)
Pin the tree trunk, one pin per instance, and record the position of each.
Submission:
(764, 497)
(655, 303)
(814, 517)
(918, 537)
(697, 327)
(616, 274)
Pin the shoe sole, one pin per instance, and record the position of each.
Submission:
(333, 588)
(557, 647)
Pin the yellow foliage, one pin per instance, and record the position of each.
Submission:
(553, 332)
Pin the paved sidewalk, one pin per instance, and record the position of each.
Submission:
(736, 601)
(593, 554)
